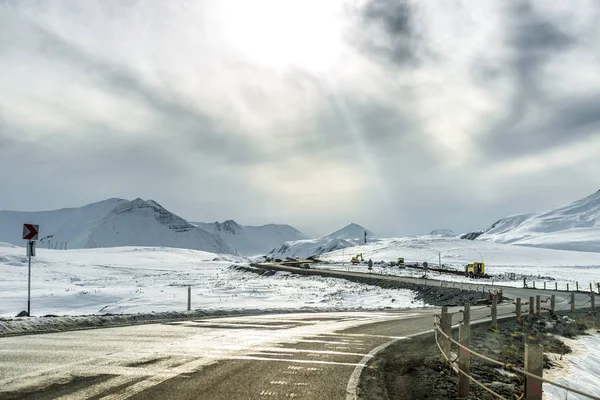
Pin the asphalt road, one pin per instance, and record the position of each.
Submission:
(308, 356)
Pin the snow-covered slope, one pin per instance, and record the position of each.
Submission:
(67, 224)
(348, 236)
(151, 279)
(573, 227)
(111, 223)
(253, 240)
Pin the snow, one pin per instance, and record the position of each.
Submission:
(573, 227)
(253, 240)
(348, 236)
(150, 279)
(579, 370)
(113, 222)
(500, 260)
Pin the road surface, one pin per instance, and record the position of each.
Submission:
(285, 356)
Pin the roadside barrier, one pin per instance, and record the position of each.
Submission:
(534, 356)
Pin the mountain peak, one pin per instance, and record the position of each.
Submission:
(350, 231)
(442, 233)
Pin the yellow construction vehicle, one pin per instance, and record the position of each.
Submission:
(400, 261)
(475, 270)
(357, 258)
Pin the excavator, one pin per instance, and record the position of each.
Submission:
(358, 258)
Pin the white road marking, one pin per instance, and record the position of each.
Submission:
(293, 361)
(352, 387)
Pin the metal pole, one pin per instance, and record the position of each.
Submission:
(534, 361)
(572, 302)
(29, 250)
(189, 308)
(495, 312)
(518, 310)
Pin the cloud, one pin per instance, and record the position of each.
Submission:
(403, 116)
(389, 31)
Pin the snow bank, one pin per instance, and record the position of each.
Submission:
(579, 370)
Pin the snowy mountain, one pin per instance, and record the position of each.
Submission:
(575, 226)
(112, 223)
(350, 232)
(349, 236)
(442, 233)
(252, 240)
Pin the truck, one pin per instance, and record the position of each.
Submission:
(475, 270)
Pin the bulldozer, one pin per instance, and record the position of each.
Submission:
(475, 270)
(356, 259)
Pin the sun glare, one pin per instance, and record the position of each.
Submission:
(282, 34)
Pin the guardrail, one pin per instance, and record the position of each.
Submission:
(533, 361)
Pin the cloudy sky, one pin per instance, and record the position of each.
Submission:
(404, 116)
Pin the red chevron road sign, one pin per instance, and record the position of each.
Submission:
(30, 232)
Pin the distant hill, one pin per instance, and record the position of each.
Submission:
(252, 240)
(112, 223)
(575, 226)
(349, 236)
(442, 233)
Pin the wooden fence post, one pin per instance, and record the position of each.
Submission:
(577, 287)
(538, 305)
(534, 284)
(495, 312)
(555, 285)
(534, 362)
(544, 285)
(552, 305)
(531, 304)
(464, 360)
(189, 308)
(567, 286)
(598, 284)
(518, 310)
(446, 322)
(572, 302)
(593, 301)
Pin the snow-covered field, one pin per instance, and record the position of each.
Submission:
(145, 279)
(500, 259)
(579, 370)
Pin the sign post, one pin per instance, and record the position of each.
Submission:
(30, 233)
